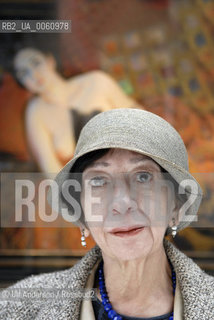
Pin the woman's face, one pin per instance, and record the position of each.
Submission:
(34, 70)
(128, 192)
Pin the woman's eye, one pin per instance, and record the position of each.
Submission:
(97, 182)
(144, 177)
(22, 74)
(36, 62)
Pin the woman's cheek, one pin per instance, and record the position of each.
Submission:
(30, 85)
(97, 234)
(145, 204)
(95, 213)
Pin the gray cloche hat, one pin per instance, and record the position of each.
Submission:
(143, 132)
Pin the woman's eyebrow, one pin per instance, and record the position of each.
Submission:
(99, 164)
(140, 159)
(107, 164)
(33, 58)
(21, 71)
(144, 161)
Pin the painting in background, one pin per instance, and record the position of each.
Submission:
(160, 53)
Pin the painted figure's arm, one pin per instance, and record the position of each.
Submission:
(40, 142)
(114, 93)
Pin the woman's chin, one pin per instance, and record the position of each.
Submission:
(130, 247)
(128, 253)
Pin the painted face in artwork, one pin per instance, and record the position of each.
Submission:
(34, 70)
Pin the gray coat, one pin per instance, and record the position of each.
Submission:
(197, 289)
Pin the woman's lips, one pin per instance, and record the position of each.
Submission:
(127, 232)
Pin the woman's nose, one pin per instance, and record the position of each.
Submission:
(122, 201)
(34, 74)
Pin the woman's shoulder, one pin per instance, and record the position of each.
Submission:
(197, 287)
(183, 263)
(35, 107)
(52, 280)
(27, 297)
(63, 278)
(40, 293)
(95, 75)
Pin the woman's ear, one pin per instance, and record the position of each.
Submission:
(175, 210)
(174, 221)
(175, 218)
(180, 210)
(181, 214)
(87, 232)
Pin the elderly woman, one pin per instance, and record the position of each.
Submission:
(134, 188)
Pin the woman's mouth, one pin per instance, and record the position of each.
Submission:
(127, 232)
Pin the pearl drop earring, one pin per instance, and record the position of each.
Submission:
(174, 228)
